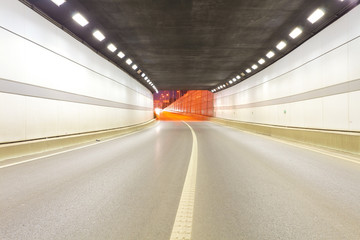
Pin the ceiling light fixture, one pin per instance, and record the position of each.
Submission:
(261, 61)
(295, 32)
(121, 55)
(238, 77)
(254, 66)
(230, 82)
(234, 79)
(58, 2)
(134, 66)
(98, 35)
(111, 47)
(77, 17)
(143, 75)
(281, 45)
(316, 15)
(248, 70)
(146, 78)
(270, 54)
(129, 61)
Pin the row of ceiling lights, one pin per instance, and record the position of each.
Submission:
(314, 17)
(82, 21)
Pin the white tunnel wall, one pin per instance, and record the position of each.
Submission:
(315, 86)
(51, 84)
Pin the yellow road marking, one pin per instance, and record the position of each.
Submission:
(184, 216)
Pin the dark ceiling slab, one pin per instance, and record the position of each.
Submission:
(194, 44)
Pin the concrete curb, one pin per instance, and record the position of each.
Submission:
(341, 141)
(13, 150)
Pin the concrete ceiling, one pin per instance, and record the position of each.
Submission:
(193, 44)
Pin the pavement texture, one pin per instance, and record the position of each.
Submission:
(247, 187)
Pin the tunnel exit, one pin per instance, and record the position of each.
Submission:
(178, 105)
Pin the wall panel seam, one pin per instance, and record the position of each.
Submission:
(337, 89)
(24, 89)
(293, 69)
(73, 61)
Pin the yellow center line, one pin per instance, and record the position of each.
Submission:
(184, 216)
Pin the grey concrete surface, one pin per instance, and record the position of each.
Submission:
(252, 187)
(248, 187)
(128, 188)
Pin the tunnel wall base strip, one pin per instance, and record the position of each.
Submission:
(348, 142)
(19, 149)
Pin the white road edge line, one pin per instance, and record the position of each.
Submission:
(73, 149)
(184, 216)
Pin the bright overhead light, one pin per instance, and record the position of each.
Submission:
(295, 32)
(146, 78)
(261, 61)
(111, 47)
(316, 15)
(224, 85)
(281, 45)
(121, 55)
(98, 35)
(234, 79)
(254, 66)
(58, 2)
(143, 74)
(230, 82)
(128, 61)
(134, 66)
(248, 70)
(77, 17)
(238, 77)
(270, 54)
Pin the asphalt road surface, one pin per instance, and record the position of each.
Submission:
(247, 187)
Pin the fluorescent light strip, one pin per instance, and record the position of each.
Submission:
(111, 47)
(270, 54)
(261, 61)
(295, 32)
(77, 17)
(129, 61)
(98, 35)
(281, 45)
(316, 15)
(121, 55)
(58, 2)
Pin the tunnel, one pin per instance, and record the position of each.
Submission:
(187, 119)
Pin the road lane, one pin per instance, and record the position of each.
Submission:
(252, 187)
(247, 187)
(128, 188)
